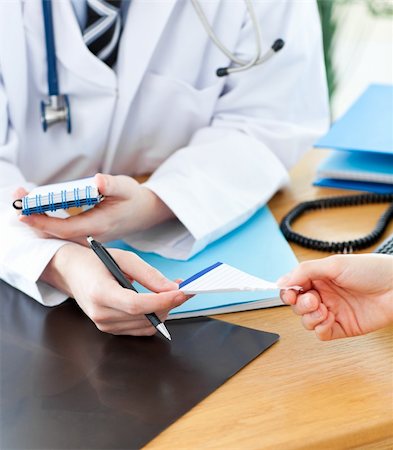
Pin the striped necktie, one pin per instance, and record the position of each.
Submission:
(103, 28)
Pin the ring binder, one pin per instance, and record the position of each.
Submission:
(14, 204)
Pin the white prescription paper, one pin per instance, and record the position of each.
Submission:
(221, 277)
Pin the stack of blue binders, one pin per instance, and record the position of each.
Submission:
(363, 145)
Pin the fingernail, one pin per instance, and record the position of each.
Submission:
(284, 296)
(308, 302)
(316, 314)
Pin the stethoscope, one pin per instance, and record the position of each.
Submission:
(57, 107)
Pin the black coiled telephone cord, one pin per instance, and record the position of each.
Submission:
(335, 202)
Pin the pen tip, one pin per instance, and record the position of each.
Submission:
(89, 239)
(163, 330)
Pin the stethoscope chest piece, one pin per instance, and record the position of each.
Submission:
(56, 109)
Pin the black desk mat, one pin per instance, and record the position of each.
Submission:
(66, 385)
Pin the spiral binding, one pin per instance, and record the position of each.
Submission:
(51, 201)
(76, 197)
(34, 205)
(334, 202)
(25, 206)
(88, 196)
(64, 199)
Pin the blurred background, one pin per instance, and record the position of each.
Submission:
(358, 41)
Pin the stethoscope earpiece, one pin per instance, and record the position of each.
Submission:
(222, 72)
(278, 44)
(241, 65)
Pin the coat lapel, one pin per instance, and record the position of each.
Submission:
(71, 51)
(144, 25)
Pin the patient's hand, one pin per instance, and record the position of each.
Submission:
(343, 295)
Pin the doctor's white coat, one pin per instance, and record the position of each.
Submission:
(218, 148)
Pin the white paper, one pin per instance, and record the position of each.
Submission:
(225, 278)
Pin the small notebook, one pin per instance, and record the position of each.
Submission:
(221, 277)
(52, 197)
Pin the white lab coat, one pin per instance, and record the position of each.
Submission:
(218, 147)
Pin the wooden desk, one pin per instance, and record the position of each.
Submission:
(302, 393)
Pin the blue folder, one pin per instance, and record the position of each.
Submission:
(367, 125)
(367, 186)
(257, 247)
(364, 171)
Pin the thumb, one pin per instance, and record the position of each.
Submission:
(114, 185)
(19, 193)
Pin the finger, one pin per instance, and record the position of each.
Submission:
(137, 269)
(112, 327)
(148, 331)
(324, 330)
(140, 328)
(113, 317)
(307, 272)
(69, 228)
(43, 224)
(307, 303)
(288, 296)
(311, 320)
(114, 186)
(163, 315)
(136, 304)
(19, 193)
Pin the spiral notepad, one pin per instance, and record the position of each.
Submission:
(65, 195)
(221, 277)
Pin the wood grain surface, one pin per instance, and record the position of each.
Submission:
(301, 393)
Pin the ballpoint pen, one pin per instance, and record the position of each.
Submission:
(115, 270)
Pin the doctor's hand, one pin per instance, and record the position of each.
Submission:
(343, 295)
(78, 272)
(128, 206)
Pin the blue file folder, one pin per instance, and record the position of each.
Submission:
(367, 186)
(364, 171)
(363, 144)
(257, 247)
(367, 125)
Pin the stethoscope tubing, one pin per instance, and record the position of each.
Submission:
(53, 83)
(57, 109)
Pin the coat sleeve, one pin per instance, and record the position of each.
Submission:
(265, 119)
(23, 255)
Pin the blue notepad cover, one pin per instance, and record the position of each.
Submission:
(257, 247)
